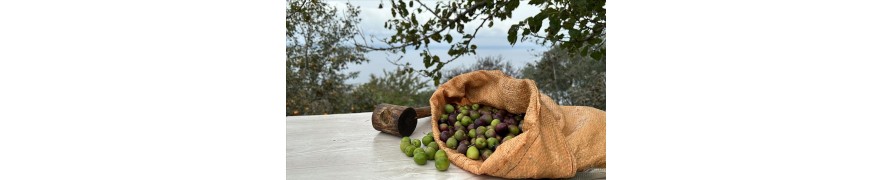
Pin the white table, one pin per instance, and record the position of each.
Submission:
(345, 146)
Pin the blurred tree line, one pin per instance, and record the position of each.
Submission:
(320, 43)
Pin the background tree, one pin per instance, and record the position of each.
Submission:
(485, 63)
(570, 79)
(400, 87)
(318, 47)
(577, 26)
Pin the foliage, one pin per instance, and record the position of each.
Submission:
(318, 47)
(400, 87)
(485, 63)
(575, 25)
(570, 79)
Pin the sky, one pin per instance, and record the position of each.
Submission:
(490, 41)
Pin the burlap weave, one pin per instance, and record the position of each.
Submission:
(557, 141)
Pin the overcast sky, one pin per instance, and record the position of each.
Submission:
(490, 41)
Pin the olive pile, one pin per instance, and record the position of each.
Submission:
(476, 131)
(412, 148)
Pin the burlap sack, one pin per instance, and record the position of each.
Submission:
(557, 141)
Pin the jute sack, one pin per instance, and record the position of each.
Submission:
(557, 141)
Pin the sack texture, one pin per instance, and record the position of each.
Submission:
(557, 141)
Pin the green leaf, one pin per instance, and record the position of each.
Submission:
(436, 37)
(512, 34)
(448, 38)
(511, 5)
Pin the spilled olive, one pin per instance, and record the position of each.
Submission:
(419, 156)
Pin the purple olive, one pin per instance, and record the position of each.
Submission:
(486, 118)
(510, 121)
(462, 148)
(480, 122)
(444, 135)
(444, 127)
(502, 129)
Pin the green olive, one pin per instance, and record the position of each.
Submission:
(492, 143)
(404, 142)
(465, 121)
(441, 161)
(420, 157)
(434, 145)
(427, 139)
(410, 150)
(416, 143)
(473, 153)
(429, 151)
(451, 143)
(449, 108)
(480, 142)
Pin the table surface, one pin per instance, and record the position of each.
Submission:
(346, 146)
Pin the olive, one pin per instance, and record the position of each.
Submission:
(444, 127)
(464, 111)
(460, 135)
(480, 122)
(466, 142)
(475, 114)
(458, 126)
(434, 145)
(486, 118)
(472, 153)
(429, 152)
(465, 121)
(451, 143)
(492, 143)
(416, 143)
(420, 156)
(502, 112)
(490, 133)
(509, 137)
(449, 108)
(502, 129)
(510, 121)
(405, 142)
(481, 130)
(459, 117)
(444, 135)
(427, 139)
(441, 161)
(520, 126)
(495, 122)
(475, 106)
(462, 148)
(452, 119)
(487, 153)
(444, 117)
(514, 130)
(410, 150)
(472, 134)
(480, 142)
